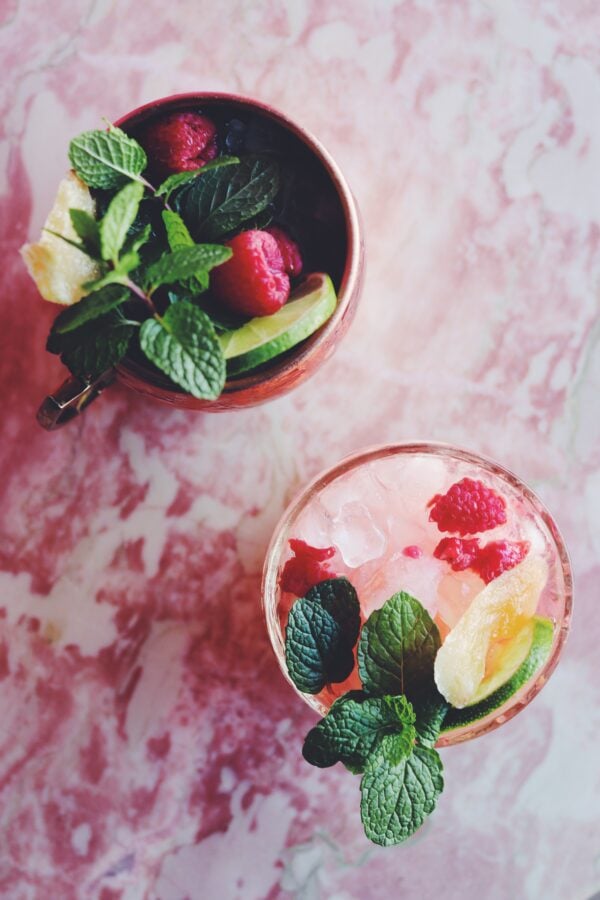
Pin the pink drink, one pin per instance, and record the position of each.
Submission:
(373, 510)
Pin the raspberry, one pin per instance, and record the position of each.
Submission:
(289, 249)
(412, 551)
(180, 142)
(498, 556)
(301, 548)
(305, 568)
(458, 552)
(253, 281)
(467, 508)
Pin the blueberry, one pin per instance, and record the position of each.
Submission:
(235, 135)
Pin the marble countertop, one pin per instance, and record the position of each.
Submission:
(150, 747)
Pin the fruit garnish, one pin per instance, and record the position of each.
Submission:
(305, 568)
(488, 561)
(459, 552)
(496, 614)
(497, 557)
(412, 552)
(179, 142)
(289, 249)
(59, 269)
(261, 339)
(468, 507)
(254, 281)
(515, 665)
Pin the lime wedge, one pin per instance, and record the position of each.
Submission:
(532, 645)
(265, 337)
(496, 615)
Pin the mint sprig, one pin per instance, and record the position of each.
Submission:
(225, 198)
(386, 732)
(107, 159)
(184, 345)
(90, 307)
(354, 727)
(118, 219)
(181, 178)
(397, 647)
(96, 346)
(320, 635)
(398, 790)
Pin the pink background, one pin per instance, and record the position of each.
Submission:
(149, 746)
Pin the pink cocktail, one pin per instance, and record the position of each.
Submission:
(374, 509)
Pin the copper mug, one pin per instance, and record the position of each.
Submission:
(73, 395)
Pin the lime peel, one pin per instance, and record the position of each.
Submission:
(542, 635)
(496, 614)
(265, 337)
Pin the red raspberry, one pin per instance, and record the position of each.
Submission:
(305, 568)
(467, 508)
(253, 281)
(290, 251)
(459, 552)
(180, 142)
(412, 551)
(498, 556)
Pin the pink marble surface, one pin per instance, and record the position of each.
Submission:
(150, 747)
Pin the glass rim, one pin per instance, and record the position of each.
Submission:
(526, 694)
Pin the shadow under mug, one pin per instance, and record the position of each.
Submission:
(73, 395)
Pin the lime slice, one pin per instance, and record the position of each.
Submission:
(265, 337)
(536, 637)
(496, 614)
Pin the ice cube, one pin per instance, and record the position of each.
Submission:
(456, 591)
(357, 536)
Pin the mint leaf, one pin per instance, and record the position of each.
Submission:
(90, 307)
(86, 228)
(78, 245)
(114, 276)
(91, 349)
(118, 219)
(140, 239)
(225, 198)
(316, 649)
(352, 730)
(185, 262)
(175, 181)
(178, 236)
(397, 648)
(184, 345)
(106, 159)
(339, 598)
(177, 231)
(398, 791)
(431, 709)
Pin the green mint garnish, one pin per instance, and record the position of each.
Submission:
(86, 228)
(176, 181)
(221, 201)
(118, 219)
(431, 709)
(398, 790)
(397, 647)
(353, 728)
(186, 262)
(107, 159)
(184, 345)
(94, 347)
(90, 307)
(316, 649)
(320, 635)
(380, 732)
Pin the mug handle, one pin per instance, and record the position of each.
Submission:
(70, 399)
